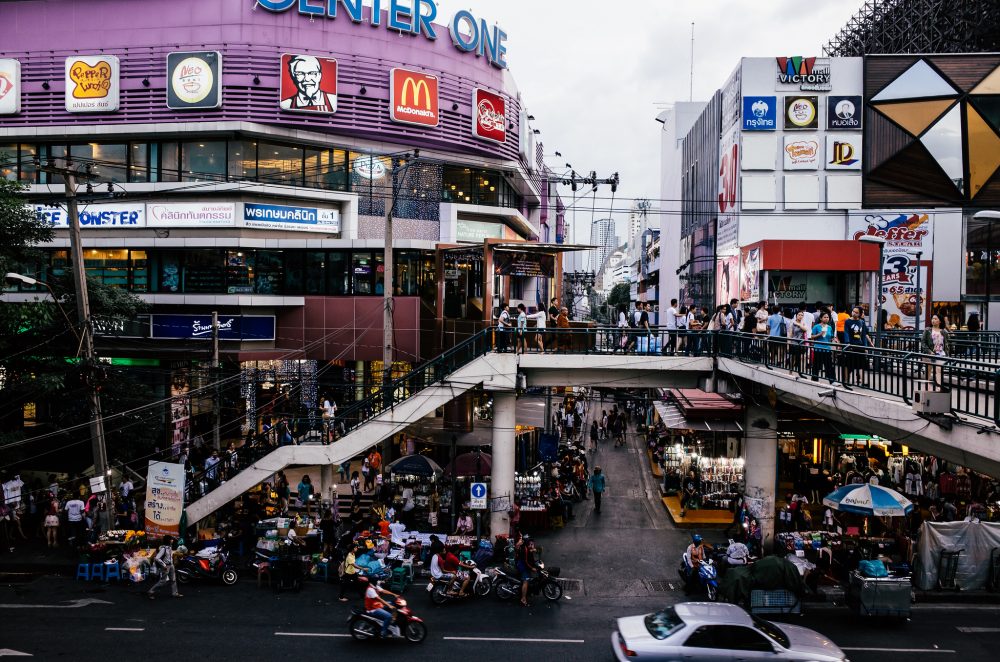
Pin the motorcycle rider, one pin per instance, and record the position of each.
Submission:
(693, 557)
(524, 556)
(376, 606)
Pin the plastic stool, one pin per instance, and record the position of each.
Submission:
(97, 571)
(112, 571)
(83, 572)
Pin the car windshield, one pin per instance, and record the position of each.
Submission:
(663, 623)
(772, 631)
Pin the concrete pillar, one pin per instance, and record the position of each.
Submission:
(326, 481)
(502, 476)
(762, 468)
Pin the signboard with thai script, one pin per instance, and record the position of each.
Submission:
(516, 263)
(191, 214)
(281, 217)
(199, 327)
(92, 84)
(164, 499)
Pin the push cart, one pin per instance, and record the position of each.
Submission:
(879, 596)
(777, 601)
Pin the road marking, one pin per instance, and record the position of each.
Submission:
(309, 634)
(72, 605)
(970, 630)
(897, 650)
(124, 629)
(516, 640)
(13, 653)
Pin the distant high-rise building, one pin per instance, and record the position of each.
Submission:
(602, 235)
(638, 217)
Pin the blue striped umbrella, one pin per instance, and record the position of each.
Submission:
(867, 499)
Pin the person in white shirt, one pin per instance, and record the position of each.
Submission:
(807, 318)
(74, 516)
(539, 318)
(671, 328)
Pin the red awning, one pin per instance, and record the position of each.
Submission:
(816, 255)
(694, 403)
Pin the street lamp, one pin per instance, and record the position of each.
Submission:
(875, 239)
(14, 278)
(989, 216)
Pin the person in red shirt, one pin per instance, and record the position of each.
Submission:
(451, 565)
(376, 606)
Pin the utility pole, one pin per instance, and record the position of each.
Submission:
(97, 440)
(216, 443)
(388, 278)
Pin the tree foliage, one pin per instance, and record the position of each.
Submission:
(621, 293)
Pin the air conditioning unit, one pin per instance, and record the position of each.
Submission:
(931, 402)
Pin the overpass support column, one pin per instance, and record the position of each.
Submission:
(761, 468)
(502, 475)
(325, 483)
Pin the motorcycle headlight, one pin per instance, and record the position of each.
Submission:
(400, 602)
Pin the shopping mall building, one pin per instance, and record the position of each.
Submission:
(242, 155)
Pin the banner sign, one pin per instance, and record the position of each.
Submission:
(728, 278)
(193, 214)
(199, 327)
(164, 499)
(92, 84)
(489, 116)
(727, 228)
(413, 97)
(905, 235)
(308, 84)
(10, 86)
(96, 216)
(760, 113)
(280, 217)
(750, 274)
(194, 80)
(843, 113)
(514, 263)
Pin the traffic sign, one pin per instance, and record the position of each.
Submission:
(478, 493)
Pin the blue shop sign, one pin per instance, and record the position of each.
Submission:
(199, 327)
(281, 217)
(760, 113)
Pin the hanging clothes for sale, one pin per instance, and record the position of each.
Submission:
(946, 483)
(963, 486)
(896, 466)
(918, 484)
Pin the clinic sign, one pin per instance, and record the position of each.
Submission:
(193, 214)
(469, 34)
(281, 217)
(164, 499)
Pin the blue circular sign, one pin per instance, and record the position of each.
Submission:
(479, 490)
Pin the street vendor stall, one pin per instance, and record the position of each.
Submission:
(413, 480)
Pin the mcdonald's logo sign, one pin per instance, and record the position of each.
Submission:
(414, 98)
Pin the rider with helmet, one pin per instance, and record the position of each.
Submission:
(375, 605)
(693, 557)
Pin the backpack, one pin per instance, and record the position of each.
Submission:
(633, 322)
(783, 329)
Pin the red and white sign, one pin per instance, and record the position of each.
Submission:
(413, 98)
(308, 84)
(10, 87)
(490, 116)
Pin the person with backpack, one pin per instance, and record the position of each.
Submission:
(504, 326)
(164, 563)
(777, 335)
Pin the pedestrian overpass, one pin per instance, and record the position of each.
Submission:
(968, 435)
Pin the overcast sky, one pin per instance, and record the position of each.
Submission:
(595, 74)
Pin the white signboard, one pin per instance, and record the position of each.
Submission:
(164, 498)
(124, 215)
(727, 230)
(801, 152)
(190, 214)
(10, 87)
(92, 84)
(477, 492)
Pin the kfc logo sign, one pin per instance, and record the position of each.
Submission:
(490, 120)
(414, 98)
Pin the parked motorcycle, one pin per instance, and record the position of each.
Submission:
(706, 576)
(363, 626)
(507, 583)
(214, 567)
(480, 586)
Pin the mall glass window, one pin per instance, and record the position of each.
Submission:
(203, 161)
(108, 266)
(8, 162)
(204, 271)
(315, 272)
(139, 268)
(28, 171)
(326, 169)
(169, 170)
(108, 161)
(294, 271)
(478, 187)
(981, 239)
(268, 272)
(243, 160)
(279, 164)
(138, 162)
(165, 267)
(239, 271)
(338, 273)
(363, 271)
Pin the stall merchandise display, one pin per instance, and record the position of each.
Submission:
(528, 489)
(721, 481)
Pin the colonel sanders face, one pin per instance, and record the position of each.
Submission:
(307, 75)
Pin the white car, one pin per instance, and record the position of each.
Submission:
(716, 631)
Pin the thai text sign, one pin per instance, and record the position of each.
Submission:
(164, 498)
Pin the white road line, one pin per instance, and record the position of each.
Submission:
(971, 630)
(517, 640)
(125, 629)
(897, 650)
(309, 634)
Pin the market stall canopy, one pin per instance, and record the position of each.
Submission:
(868, 499)
(470, 464)
(694, 409)
(414, 465)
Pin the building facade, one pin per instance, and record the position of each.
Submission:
(241, 158)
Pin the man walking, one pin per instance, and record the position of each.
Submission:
(597, 485)
(164, 562)
(671, 345)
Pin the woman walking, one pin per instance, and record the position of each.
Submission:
(594, 435)
(936, 343)
(52, 521)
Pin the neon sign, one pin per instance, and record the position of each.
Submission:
(416, 17)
